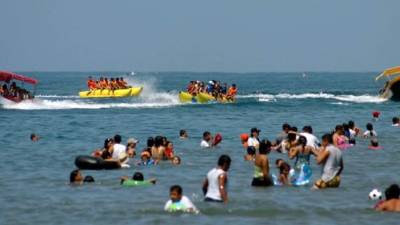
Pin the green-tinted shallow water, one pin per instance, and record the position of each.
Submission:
(34, 176)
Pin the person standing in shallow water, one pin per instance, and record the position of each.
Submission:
(261, 166)
(253, 140)
(330, 157)
(215, 184)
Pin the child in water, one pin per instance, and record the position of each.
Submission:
(370, 132)
(179, 202)
(284, 171)
(137, 180)
(75, 177)
(176, 160)
(374, 145)
(146, 159)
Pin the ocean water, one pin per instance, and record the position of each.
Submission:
(34, 176)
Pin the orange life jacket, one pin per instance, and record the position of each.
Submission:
(232, 91)
(91, 84)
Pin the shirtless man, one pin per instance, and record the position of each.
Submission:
(392, 203)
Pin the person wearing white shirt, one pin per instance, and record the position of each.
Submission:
(370, 132)
(253, 139)
(179, 202)
(119, 152)
(312, 141)
(215, 184)
(206, 141)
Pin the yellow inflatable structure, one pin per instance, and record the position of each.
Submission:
(120, 93)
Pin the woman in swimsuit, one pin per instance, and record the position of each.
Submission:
(339, 139)
(301, 152)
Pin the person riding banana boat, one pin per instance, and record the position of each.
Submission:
(198, 91)
(107, 88)
(104, 84)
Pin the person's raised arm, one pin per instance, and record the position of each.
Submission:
(322, 156)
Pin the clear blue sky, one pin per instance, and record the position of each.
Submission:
(203, 35)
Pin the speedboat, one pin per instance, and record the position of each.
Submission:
(120, 93)
(391, 89)
(13, 92)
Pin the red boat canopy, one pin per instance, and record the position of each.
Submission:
(7, 76)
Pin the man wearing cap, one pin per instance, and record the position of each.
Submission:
(131, 147)
(253, 140)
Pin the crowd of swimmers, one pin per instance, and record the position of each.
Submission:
(14, 91)
(292, 144)
(214, 88)
(157, 149)
(105, 83)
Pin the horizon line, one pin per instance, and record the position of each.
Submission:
(185, 71)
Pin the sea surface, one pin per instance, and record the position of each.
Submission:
(34, 176)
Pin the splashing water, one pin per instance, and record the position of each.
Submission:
(149, 98)
(345, 98)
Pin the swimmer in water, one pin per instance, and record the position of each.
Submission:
(396, 122)
(215, 184)
(75, 177)
(354, 132)
(183, 134)
(146, 160)
(178, 202)
(88, 179)
(158, 150)
(392, 202)
(131, 147)
(176, 160)
(339, 139)
(253, 140)
(301, 153)
(206, 142)
(262, 177)
(374, 144)
(284, 170)
(370, 132)
(330, 158)
(34, 138)
(137, 179)
(169, 151)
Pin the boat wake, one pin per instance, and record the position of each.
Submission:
(150, 98)
(343, 98)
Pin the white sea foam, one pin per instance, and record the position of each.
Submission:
(39, 104)
(150, 98)
(345, 98)
(58, 96)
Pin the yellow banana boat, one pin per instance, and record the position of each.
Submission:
(201, 98)
(120, 93)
